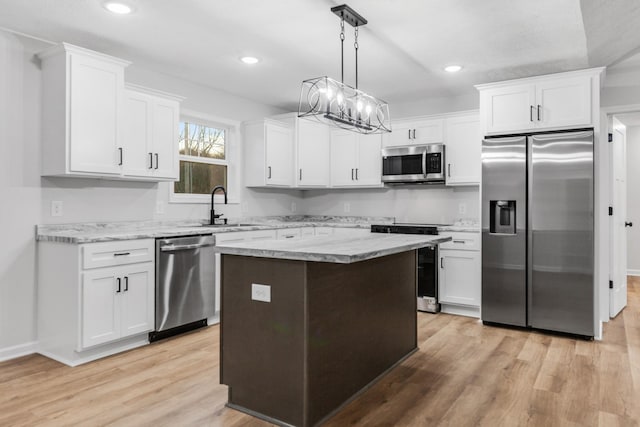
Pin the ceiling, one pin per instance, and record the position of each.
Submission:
(403, 48)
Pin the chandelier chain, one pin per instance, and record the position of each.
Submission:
(342, 50)
(355, 44)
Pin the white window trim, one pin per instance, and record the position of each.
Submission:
(232, 159)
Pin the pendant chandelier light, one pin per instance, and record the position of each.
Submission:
(336, 103)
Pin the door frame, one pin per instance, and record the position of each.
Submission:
(604, 184)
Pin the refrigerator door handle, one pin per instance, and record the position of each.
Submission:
(529, 227)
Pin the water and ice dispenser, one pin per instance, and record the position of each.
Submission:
(502, 217)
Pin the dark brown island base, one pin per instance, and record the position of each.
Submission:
(341, 312)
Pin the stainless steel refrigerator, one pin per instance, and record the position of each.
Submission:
(537, 231)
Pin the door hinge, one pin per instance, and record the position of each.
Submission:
(610, 210)
(610, 137)
(610, 284)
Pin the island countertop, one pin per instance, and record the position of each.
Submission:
(335, 249)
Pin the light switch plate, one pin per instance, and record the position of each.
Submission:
(260, 292)
(462, 208)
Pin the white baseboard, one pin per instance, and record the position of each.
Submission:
(20, 350)
(633, 272)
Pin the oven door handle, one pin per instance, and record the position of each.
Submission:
(424, 163)
(172, 248)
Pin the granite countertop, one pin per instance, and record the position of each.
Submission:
(111, 231)
(336, 249)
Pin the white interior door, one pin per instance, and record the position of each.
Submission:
(618, 294)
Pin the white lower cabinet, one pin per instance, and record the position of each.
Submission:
(94, 299)
(460, 274)
(117, 303)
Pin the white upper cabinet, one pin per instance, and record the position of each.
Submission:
(558, 101)
(268, 154)
(428, 131)
(463, 144)
(150, 134)
(312, 148)
(95, 127)
(81, 115)
(355, 159)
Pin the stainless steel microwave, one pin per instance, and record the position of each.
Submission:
(413, 164)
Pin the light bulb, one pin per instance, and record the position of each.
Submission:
(368, 109)
(340, 98)
(359, 105)
(118, 7)
(329, 93)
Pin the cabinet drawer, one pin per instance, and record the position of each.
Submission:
(245, 236)
(323, 231)
(462, 241)
(95, 255)
(308, 232)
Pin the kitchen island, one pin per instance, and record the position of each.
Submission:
(306, 325)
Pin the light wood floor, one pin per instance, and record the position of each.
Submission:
(464, 374)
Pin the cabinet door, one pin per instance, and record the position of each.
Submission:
(344, 158)
(460, 277)
(100, 307)
(563, 102)
(427, 132)
(313, 154)
(401, 134)
(137, 299)
(510, 108)
(96, 90)
(136, 133)
(463, 146)
(279, 155)
(165, 139)
(369, 167)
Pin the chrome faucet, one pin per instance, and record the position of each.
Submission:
(213, 212)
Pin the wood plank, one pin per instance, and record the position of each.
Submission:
(463, 374)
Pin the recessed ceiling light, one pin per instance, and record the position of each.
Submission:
(118, 7)
(453, 68)
(250, 60)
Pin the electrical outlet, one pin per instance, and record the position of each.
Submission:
(56, 208)
(160, 207)
(260, 292)
(347, 207)
(293, 206)
(462, 208)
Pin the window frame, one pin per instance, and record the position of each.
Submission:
(232, 159)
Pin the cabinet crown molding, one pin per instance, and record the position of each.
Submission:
(154, 92)
(69, 48)
(534, 79)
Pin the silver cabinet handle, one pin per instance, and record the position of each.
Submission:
(121, 253)
(442, 262)
(538, 112)
(352, 174)
(156, 161)
(424, 163)
(150, 160)
(171, 248)
(458, 241)
(119, 285)
(356, 174)
(409, 137)
(531, 113)
(126, 284)
(120, 149)
(414, 134)
(449, 170)
(269, 176)
(300, 174)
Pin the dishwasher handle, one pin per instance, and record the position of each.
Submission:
(171, 248)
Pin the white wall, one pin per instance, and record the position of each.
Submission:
(420, 204)
(25, 196)
(633, 199)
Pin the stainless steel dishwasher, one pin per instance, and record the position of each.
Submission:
(185, 284)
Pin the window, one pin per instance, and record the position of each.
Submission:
(204, 156)
(202, 159)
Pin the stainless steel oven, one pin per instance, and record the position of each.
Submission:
(413, 164)
(427, 274)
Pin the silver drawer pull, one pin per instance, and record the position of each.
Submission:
(289, 237)
(184, 247)
(122, 253)
(458, 241)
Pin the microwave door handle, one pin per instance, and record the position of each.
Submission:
(424, 163)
